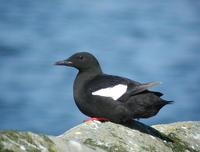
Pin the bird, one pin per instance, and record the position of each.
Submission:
(106, 97)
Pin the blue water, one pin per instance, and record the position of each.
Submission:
(142, 40)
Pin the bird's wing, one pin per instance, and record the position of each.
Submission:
(117, 88)
(133, 90)
(110, 86)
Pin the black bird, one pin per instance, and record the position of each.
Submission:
(108, 97)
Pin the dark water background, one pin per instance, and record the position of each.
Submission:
(142, 40)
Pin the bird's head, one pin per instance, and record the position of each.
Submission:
(83, 61)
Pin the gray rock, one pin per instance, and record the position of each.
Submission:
(94, 136)
(15, 141)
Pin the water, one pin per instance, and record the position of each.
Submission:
(157, 41)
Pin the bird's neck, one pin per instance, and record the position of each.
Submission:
(83, 77)
(87, 75)
(91, 70)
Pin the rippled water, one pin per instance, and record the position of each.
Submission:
(157, 41)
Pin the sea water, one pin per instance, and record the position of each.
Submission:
(142, 40)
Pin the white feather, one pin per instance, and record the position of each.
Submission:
(114, 92)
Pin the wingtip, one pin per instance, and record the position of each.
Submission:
(157, 83)
(152, 84)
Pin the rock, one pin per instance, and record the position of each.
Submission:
(94, 136)
(16, 141)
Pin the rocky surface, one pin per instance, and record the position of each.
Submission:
(94, 136)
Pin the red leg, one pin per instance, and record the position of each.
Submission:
(96, 118)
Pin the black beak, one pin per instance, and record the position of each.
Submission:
(64, 62)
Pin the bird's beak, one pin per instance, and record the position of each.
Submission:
(64, 62)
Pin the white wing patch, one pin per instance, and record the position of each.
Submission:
(114, 92)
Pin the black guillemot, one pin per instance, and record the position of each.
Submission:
(108, 97)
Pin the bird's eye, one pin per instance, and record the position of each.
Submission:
(80, 57)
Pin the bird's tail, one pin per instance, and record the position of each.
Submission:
(169, 102)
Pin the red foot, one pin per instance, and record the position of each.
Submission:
(96, 118)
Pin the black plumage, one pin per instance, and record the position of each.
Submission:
(116, 98)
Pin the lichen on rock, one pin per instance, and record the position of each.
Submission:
(95, 136)
(17, 141)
